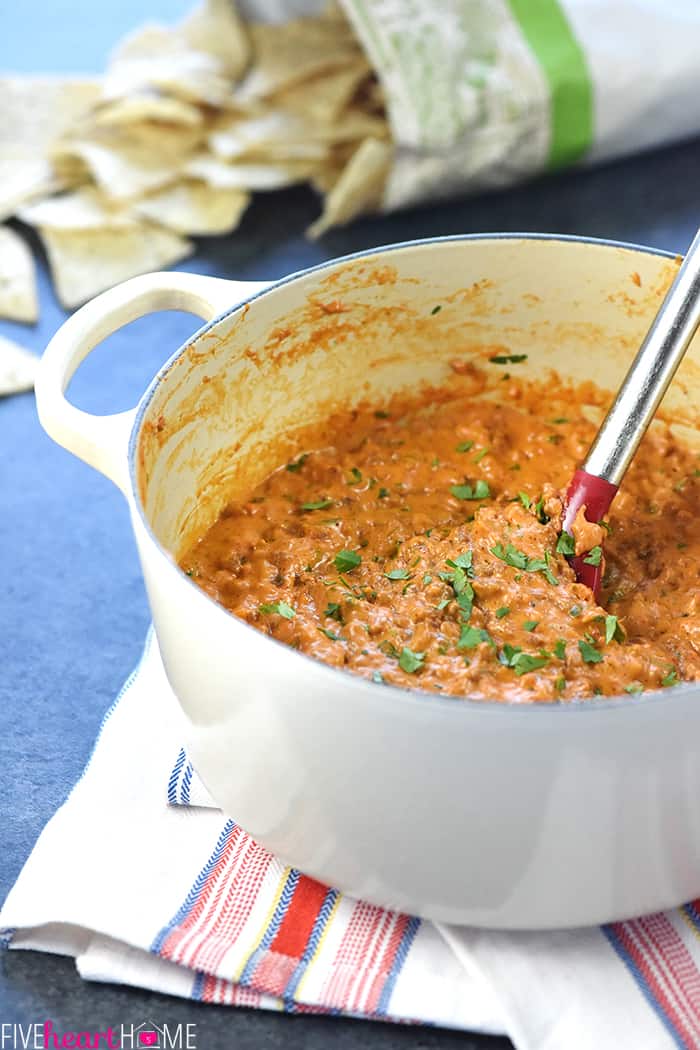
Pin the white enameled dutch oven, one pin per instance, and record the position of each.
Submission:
(490, 814)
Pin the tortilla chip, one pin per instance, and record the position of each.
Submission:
(359, 189)
(147, 106)
(255, 175)
(216, 29)
(17, 368)
(276, 135)
(83, 209)
(322, 99)
(197, 60)
(35, 111)
(195, 208)
(285, 55)
(130, 162)
(85, 262)
(18, 299)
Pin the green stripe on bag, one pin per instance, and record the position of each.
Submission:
(546, 29)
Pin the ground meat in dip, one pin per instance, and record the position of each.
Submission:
(424, 548)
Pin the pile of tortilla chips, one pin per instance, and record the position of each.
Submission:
(116, 173)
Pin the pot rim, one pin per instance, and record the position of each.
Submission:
(349, 680)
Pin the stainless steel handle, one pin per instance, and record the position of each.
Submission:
(649, 375)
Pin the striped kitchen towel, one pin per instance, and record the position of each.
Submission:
(187, 903)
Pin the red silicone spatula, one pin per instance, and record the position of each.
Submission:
(595, 483)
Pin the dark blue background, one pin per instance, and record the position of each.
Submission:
(73, 613)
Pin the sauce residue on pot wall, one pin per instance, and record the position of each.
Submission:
(422, 546)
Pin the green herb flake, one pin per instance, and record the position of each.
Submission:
(381, 414)
(589, 652)
(594, 556)
(560, 684)
(613, 630)
(480, 455)
(519, 560)
(671, 678)
(559, 419)
(355, 477)
(473, 636)
(334, 611)
(555, 439)
(436, 310)
(503, 611)
(575, 610)
(189, 572)
(443, 604)
(330, 634)
(297, 464)
(383, 493)
(427, 579)
(280, 608)
(409, 661)
(319, 504)
(464, 446)
(566, 544)
(530, 625)
(523, 663)
(398, 574)
(559, 649)
(480, 490)
(377, 678)
(346, 561)
(508, 359)
(524, 499)
(634, 687)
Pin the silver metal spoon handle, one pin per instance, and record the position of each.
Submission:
(650, 374)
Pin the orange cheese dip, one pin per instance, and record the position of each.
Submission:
(423, 548)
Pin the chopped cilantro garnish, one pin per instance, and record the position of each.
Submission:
(540, 514)
(436, 309)
(613, 630)
(377, 678)
(398, 574)
(508, 359)
(330, 634)
(524, 499)
(521, 663)
(671, 678)
(346, 561)
(503, 611)
(410, 661)
(334, 611)
(559, 649)
(589, 652)
(594, 555)
(427, 579)
(462, 561)
(566, 544)
(519, 560)
(560, 684)
(530, 625)
(381, 414)
(554, 439)
(464, 446)
(281, 608)
(319, 504)
(383, 493)
(480, 490)
(297, 464)
(559, 419)
(634, 687)
(189, 572)
(473, 636)
(355, 476)
(575, 610)
(480, 455)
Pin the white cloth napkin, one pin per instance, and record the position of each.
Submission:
(143, 882)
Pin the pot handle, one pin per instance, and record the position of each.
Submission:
(102, 440)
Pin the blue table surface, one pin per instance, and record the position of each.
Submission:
(73, 612)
